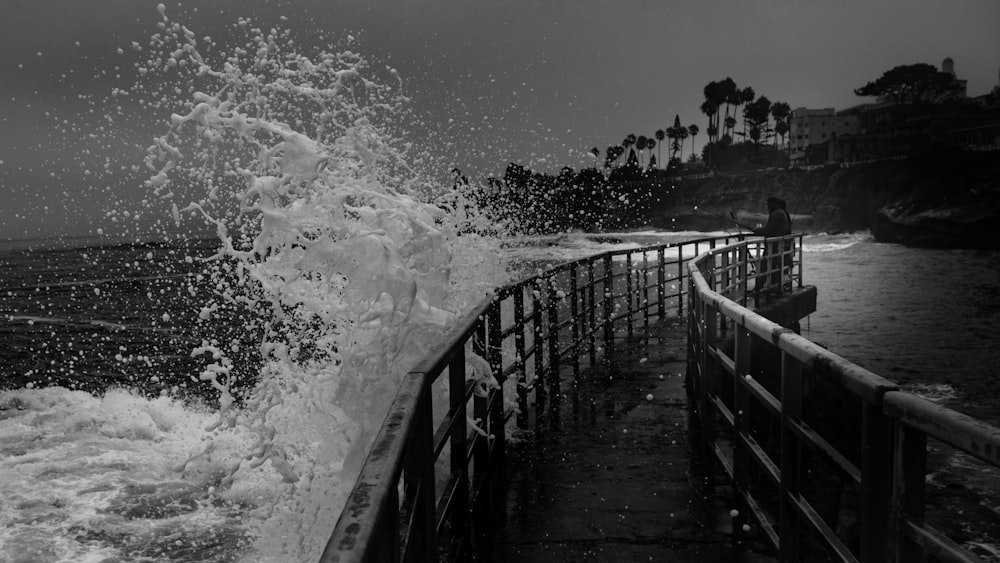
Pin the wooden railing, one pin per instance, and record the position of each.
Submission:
(759, 390)
(527, 332)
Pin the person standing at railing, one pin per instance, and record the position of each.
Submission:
(779, 223)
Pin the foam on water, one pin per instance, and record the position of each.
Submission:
(822, 242)
(345, 262)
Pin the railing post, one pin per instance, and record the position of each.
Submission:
(909, 474)
(496, 426)
(538, 341)
(707, 385)
(790, 530)
(574, 287)
(592, 312)
(481, 448)
(553, 333)
(799, 263)
(645, 293)
(744, 258)
(522, 384)
(661, 283)
(876, 475)
(609, 308)
(458, 441)
(418, 468)
(741, 430)
(628, 290)
(680, 280)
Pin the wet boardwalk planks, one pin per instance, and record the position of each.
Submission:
(609, 477)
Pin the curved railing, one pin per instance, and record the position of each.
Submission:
(428, 466)
(759, 391)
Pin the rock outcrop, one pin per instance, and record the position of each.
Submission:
(935, 200)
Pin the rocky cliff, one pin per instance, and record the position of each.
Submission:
(936, 200)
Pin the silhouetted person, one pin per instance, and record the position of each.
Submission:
(779, 223)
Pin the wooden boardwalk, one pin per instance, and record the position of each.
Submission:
(609, 475)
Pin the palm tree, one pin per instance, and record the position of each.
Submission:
(747, 95)
(729, 125)
(628, 141)
(609, 155)
(660, 135)
(780, 111)
(682, 134)
(640, 145)
(714, 98)
(730, 94)
(693, 131)
(597, 155)
(650, 144)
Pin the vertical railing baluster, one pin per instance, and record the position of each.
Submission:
(481, 447)
(680, 280)
(645, 292)
(741, 430)
(390, 529)
(790, 529)
(418, 471)
(519, 349)
(744, 257)
(574, 287)
(592, 312)
(496, 430)
(800, 261)
(553, 333)
(706, 387)
(909, 481)
(628, 290)
(661, 283)
(458, 442)
(609, 308)
(876, 476)
(539, 345)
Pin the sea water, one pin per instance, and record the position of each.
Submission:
(105, 453)
(211, 399)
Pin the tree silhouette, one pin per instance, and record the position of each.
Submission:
(640, 145)
(731, 96)
(746, 96)
(757, 114)
(780, 112)
(597, 155)
(914, 83)
(674, 133)
(660, 135)
(628, 141)
(693, 131)
(715, 96)
(650, 145)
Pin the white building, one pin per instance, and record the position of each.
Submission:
(817, 126)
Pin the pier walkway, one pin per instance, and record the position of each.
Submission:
(541, 429)
(607, 474)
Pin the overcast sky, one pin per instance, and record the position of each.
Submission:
(535, 82)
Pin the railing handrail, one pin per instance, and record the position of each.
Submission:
(896, 427)
(369, 527)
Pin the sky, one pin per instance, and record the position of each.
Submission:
(533, 82)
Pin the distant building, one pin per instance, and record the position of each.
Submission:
(885, 130)
(809, 127)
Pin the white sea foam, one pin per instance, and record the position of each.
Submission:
(347, 262)
(822, 242)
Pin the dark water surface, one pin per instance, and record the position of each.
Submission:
(100, 318)
(927, 319)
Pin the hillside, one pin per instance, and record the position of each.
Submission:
(949, 200)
